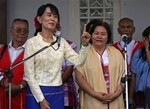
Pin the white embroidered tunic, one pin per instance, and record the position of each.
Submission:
(44, 69)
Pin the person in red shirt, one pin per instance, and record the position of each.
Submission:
(13, 54)
(126, 27)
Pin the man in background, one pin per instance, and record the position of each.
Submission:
(13, 54)
(126, 27)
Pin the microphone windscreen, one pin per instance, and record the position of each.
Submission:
(58, 33)
(124, 37)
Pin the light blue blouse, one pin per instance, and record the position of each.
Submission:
(141, 70)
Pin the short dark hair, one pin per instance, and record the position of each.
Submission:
(53, 8)
(146, 32)
(126, 18)
(42, 9)
(21, 20)
(96, 22)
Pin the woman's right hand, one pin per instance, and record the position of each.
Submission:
(85, 36)
(44, 104)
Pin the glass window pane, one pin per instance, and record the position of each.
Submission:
(109, 12)
(96, 12)
(96, 9)
(109, 21)
(83, 13)
(96, 3)
(108, 3)
(82, 23)
(83, 3)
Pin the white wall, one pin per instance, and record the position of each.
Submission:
(27, 9)
(138, 10)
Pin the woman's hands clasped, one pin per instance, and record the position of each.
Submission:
(105, 98)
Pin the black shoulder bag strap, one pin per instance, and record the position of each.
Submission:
(3, 51)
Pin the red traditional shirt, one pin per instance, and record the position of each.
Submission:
(17, 102)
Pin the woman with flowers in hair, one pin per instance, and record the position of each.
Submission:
(43, 71)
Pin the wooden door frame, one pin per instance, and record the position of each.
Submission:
(3, 22)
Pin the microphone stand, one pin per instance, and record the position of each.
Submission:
(126, 75)
(126, 78)
(9, 76)
(9, 73)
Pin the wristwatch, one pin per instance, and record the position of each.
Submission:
(1, 76)
(21, 86)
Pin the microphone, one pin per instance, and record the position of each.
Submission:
(124, 37)
(58, 35)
